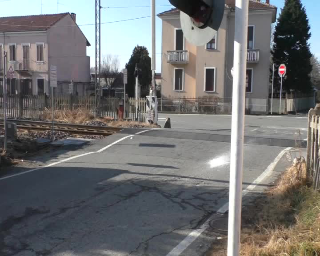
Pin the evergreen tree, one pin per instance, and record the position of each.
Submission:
(291, 47)
(315, 74)
(140, 56)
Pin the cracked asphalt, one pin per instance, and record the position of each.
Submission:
(142, 196)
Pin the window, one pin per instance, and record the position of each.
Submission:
(25, 49)
(40, 86)
(12, 49)
(178, 79)
(179, 40)
(249, 80)
(39, 52)
(212, 45)
(250, 37)
(210, 80)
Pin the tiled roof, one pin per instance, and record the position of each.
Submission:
(253, 4)
(29, 23)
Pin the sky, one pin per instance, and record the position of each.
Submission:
(120, 38)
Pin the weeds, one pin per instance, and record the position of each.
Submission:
(289, 219)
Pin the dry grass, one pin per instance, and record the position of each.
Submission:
(83, 116)
(288, 219)
(78, 116)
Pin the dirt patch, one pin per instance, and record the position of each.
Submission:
(283, 221)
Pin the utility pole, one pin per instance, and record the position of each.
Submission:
(5, 100)
(238, 119)
(97, 50)
(153, 60)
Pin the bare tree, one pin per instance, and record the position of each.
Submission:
(315, 74)
(110, 70)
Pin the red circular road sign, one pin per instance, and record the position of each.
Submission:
(282, 70)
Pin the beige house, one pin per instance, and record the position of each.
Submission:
(191, 72)
(34, 43)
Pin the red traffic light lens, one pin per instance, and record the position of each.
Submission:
(202, 16)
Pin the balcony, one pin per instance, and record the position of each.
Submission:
(24, 65)
(178, 57)
(253, 56)
(23, 68)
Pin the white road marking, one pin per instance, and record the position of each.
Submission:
(184, 244)
(286, 128)
(162, 119)
(114, 143)
(254, 130)
(47, 166)
(72, 158)
(142, 132)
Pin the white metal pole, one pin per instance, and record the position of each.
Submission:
(137, 84)
(52, 107)
(238, 119)
(280, 111)
(153, 61)
(5, 101)
(272, 89)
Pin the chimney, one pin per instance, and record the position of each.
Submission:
(267, 1)
(74, 17)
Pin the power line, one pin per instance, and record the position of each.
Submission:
(126, 7)
(81, 25)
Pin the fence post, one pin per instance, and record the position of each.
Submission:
(71, 102)
(310, 115)
(20, 105)
(310, 146)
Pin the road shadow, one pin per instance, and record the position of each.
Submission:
(103, 211)
(154, 145)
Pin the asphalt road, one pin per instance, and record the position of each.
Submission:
(135, 194)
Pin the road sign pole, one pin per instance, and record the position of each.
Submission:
(238, 119)
(280, 107)
(5, 101)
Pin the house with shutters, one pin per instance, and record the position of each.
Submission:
(34, 43)
(191, 72)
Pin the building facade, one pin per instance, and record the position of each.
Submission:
(192, 72)
(34, 43)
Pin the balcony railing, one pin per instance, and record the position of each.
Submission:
(178, 57)
(253, 56)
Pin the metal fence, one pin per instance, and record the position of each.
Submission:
(195, 105)
(32, 107)
(313, 153)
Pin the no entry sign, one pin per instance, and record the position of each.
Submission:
(282, 70)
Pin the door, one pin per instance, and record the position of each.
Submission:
(179, 40)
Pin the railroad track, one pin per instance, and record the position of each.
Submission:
(62, 127)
